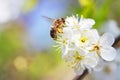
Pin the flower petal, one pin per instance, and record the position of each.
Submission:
(71, 21)
(67, 34)
(82, 51)
(92, 35)
(79, 69)
(91, 60)
(99, 66)
(90, 21)
(68, 57)
(95, 34)
(107, 39)
(86, 23)
(64, 51)
(108, 53)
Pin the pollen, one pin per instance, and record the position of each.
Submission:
(83, 39)
(96, 48)
(78, 57)
(59, 30)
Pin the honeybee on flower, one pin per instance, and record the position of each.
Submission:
(82, 47)
(57, 27)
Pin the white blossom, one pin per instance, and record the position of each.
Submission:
(82, 47)
(87, 38)
(104, 47)
(80, 60)
(79, 24)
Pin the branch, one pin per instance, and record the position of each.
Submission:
(81, 77)
(116, 42)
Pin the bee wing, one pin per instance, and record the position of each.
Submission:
(48, 19)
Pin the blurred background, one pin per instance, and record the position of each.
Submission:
(26, 51)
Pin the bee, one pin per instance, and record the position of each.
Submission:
(53, 33)
(57, 26)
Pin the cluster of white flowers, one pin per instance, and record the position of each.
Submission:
(82, 47)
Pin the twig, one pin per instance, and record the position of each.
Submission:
(81, 77)
(116, 41)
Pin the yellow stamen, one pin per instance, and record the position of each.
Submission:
(78, 57)
(76, 60)
(83, 39)
(64, 42)
(96, 47)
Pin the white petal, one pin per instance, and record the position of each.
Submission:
(86, 23)
(81, 51)
(71, 21)
(67, 32)
(79, 69)
(69, 56)
(90, 21)
(92, 35)
(108, 53)
(64, 51)
(107, 39)
(91, 60)
(95, 34)
(99, 66)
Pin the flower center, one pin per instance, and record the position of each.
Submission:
(64, 41)
(78, 57)
(77, 26)
(83, 39)
(96, 48)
